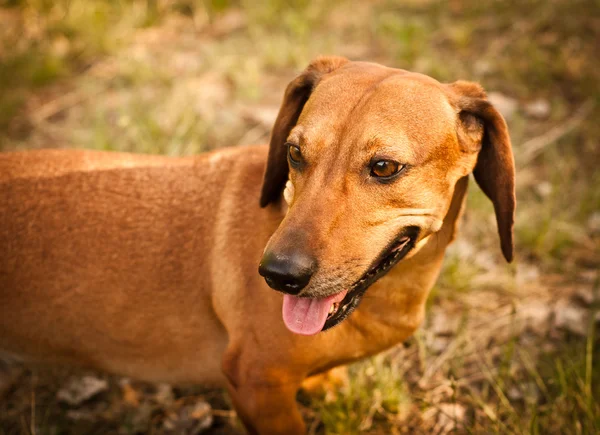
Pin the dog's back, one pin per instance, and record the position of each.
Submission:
(108, 254)
(50, 163)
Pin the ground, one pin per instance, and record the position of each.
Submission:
(504, 348)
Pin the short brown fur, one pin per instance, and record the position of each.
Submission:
(147, 266)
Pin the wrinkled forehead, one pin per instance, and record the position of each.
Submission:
(364, 102)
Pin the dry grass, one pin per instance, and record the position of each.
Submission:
(504, 349)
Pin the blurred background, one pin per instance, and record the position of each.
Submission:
(504, 349)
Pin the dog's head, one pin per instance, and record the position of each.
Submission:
(367, 158)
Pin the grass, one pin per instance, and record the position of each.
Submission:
(178, 77)
(517, 390)
(374, 397)
(553, 395)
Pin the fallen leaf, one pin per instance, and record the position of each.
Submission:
(190, 419)
(538, 109)
(571, 317)
(506, 105)
(82, 389)
(130, 395)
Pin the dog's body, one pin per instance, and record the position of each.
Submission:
(147, 266)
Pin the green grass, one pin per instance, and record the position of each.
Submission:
(518, 392)
(556, 392)
(376, 395)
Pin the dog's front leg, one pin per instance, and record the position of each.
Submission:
(267, 410)
(264, 398)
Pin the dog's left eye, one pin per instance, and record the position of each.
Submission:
(294, 154)
(385, 169)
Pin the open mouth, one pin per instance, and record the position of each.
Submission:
(308, 316)
(388, 259)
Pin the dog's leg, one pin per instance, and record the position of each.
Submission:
(263, 394)
(268, 409)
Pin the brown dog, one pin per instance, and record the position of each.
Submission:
(147, 266)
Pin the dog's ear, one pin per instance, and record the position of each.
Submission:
(482, 128)
(296, 95)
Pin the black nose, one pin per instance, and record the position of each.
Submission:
(290, 273)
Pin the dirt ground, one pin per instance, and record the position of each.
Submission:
(504, 348)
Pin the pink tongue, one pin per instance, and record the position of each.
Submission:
(306, 316)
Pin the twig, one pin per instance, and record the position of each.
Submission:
(228, 413)
(534, 147)
(589, 347)
(440, 360)
(60, 104)
(254, 135)
(32, 428)
(486, 370)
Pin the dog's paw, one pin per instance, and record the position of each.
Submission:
(326, 384)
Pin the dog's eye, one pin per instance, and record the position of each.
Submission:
(294, 154)
(385, 169)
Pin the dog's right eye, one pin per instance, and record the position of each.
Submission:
(295, 155)
(385, 169)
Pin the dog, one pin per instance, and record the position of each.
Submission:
(146, 266)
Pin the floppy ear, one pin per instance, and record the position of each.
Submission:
(483, 127)
(296, 95)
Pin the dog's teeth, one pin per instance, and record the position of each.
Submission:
(331, 309)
